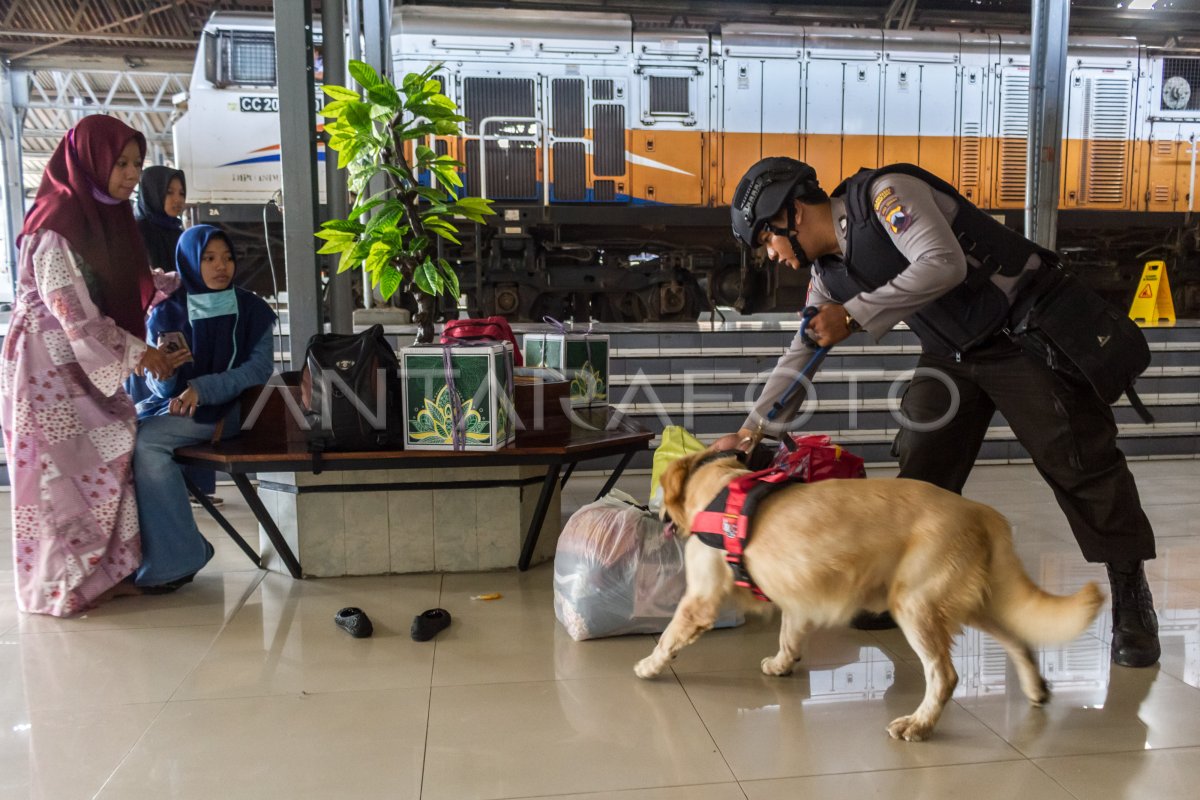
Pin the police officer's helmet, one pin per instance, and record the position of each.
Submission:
(764, 189)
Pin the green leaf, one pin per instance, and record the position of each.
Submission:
(341, 93)
(429, 193)
(364, 73)
(358, 116)
(364, 207)
(413, 81)
(381, 253)
(395, 237)
(346, 225)
(388, 218)
(444, 102)
(473, 208)
(428, 278)
(447, 177)
(335, 109)
(444, 233)
(419, 131)
(354, 257)
(339, 246)
(389, 281)
(346, 261)
(385, 95)
(452, 287)
(330, 235)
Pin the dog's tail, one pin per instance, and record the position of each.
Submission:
(1023, 607)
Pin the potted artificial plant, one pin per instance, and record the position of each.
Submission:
(385, 134)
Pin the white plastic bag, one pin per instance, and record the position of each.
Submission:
(616, 572)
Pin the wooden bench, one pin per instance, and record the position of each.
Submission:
(273, 444)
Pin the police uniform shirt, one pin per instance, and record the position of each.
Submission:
(917, 219)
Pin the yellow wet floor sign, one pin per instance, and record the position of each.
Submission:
(1152, 304)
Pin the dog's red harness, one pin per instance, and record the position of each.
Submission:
(725, 523)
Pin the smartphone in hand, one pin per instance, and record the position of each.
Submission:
(173, 342)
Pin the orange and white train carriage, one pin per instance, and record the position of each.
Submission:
(612, 151)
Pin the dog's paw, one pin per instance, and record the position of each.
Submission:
(770, 666)
(909, 729)
(647, 668)
(1040, 693)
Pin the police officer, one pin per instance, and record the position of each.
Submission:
(898, 243)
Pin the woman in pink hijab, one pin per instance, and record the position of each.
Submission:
(77, 331)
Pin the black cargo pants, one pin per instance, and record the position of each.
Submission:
(1064, 425)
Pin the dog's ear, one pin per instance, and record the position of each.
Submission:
(673, 481)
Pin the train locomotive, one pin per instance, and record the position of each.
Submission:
(612, 151)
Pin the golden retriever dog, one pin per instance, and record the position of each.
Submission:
(823, 551)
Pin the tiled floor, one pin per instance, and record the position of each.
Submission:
(241, 686)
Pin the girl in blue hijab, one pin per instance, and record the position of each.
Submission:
(228, 331)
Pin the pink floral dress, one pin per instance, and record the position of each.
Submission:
(69, 430)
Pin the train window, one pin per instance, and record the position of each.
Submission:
(240, 57)
(252, 58)
(1180, 84)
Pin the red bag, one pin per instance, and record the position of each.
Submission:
(816, 458)
(479, 330)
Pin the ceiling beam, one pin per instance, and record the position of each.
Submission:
(67, 37)
(99, 37)
(158, 59)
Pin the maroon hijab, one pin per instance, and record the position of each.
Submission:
(73, 201)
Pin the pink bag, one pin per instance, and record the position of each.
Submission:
(476, 330)
(816, 458)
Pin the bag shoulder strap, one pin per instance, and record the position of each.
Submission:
(1138, 406)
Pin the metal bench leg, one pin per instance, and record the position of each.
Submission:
(612, 479)
(264, 519)
(539, 516)
(203, 500)
(567, 474)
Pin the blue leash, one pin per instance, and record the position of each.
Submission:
(805, 374)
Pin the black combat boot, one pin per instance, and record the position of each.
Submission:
(1135, 625)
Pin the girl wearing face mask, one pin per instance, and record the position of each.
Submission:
(77, 331)
(162, 196)
(228, 333)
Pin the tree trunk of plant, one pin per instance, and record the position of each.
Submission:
(424, 318)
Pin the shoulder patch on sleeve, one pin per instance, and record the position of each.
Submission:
(890, 210)
(881, 197)
(897, 218)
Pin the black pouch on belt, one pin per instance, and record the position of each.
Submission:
(1076, 332)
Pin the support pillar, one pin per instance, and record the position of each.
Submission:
(298, 160)
(14, 95)
(1047, 90)
(341, 287)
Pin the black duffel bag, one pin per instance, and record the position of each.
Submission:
(1076, 332)
(350, 391)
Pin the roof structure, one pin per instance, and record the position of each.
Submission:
(40, 32)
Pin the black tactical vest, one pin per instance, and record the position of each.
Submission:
(998, 265)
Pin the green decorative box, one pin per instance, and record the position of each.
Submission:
(582, 357)
(482, 383)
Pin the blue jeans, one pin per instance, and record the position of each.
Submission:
(172, 546)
